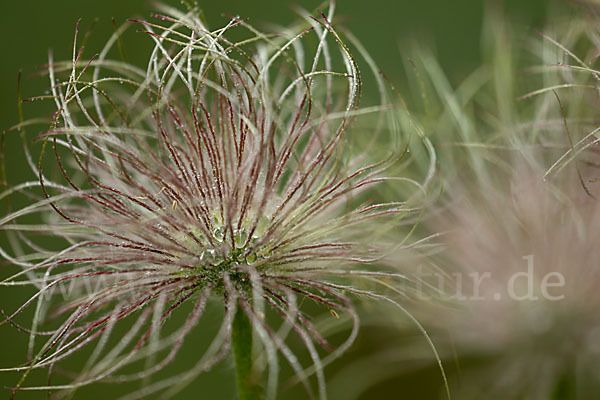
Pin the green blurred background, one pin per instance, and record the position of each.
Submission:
(387, 28)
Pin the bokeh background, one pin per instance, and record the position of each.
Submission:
(452, 29)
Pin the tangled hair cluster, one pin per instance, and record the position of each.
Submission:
(224, 170)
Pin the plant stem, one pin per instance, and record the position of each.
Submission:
(248, 383)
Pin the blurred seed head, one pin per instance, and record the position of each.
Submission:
(519, 210)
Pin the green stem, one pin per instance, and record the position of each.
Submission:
(248, 383)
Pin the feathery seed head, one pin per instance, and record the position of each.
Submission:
(223, 169)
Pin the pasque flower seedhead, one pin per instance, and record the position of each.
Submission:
(223, 170)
